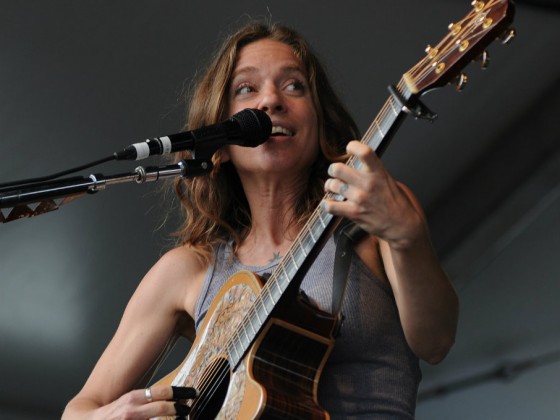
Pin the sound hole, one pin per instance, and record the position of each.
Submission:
(213, 386)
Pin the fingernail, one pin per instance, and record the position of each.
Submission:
(330, 171)
(184, 392)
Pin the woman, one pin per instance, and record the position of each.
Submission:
(399, 306)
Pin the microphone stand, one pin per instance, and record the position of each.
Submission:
(32, 199)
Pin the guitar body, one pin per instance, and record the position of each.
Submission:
(277, 377)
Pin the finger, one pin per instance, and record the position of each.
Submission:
(148, 394)
(158, 393)
(341, 208)
(370, 161)
(353, 175)
(184, 392)
(337, 186)
(181, 409)
(344, 173)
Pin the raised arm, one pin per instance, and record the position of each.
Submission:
(426, 300)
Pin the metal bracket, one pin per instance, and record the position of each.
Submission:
(415, 108)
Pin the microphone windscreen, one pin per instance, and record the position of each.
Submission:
(255, 126)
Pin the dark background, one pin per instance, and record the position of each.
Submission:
(80, 80)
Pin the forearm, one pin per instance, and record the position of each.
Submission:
(427, 303)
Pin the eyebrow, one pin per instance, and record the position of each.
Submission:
(288, 69)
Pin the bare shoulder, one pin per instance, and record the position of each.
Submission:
(176, 278)
(180, 262)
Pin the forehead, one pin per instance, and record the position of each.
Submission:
(266, 54)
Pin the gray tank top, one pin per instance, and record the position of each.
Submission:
(371, 372)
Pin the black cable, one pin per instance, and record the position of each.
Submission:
(25, 182)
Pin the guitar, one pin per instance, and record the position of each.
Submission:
(261, 348)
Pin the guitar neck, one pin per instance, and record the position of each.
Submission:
(312, 237)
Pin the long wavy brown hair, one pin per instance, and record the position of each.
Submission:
(215, 207)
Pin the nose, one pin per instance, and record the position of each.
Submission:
(271, 99)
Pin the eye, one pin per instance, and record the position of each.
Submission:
(295, 85)
(243, 89)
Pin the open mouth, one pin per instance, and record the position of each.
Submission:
(279, 131)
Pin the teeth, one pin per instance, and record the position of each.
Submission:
(281, 130)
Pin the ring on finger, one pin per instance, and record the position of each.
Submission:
(148, 393)
(343, 188)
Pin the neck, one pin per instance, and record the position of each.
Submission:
(272, 205)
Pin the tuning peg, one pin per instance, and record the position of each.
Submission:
(484, 59)
(461, 81)
(431, 51)
(454, 28)
(508, 36)
(478, 5)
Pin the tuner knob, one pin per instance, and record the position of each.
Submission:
(484, 59)
(431, 51)
(478, 5)
(461, 82)
(508, 36)
(454, 28)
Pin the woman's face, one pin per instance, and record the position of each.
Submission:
(268, 76)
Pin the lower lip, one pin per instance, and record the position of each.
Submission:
(279, 137)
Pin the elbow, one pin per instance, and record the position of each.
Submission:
(437, 355)
(437, 352)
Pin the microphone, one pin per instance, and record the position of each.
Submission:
(249, 128)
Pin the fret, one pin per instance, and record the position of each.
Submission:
(284, 273)
(395, 111)
(308, 242)
(379, 128)
(321, 219)
(233, 348)
(251, 316)
(247, 340)
(318, 230)
(262, 314)
(276, 293)
(296, 265)
(275, 281)
(312, 237)
(257, 312)
(298, 242)
(267, 298)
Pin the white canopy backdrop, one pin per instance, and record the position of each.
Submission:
(80, 80)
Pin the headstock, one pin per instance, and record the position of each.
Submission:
(466, 41)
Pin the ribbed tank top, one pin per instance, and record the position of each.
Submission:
(371, 372)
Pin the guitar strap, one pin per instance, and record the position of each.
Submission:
(346, 236)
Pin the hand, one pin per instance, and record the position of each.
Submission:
(373, 199)
(157, 401)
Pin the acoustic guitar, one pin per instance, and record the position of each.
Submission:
(262, 347)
